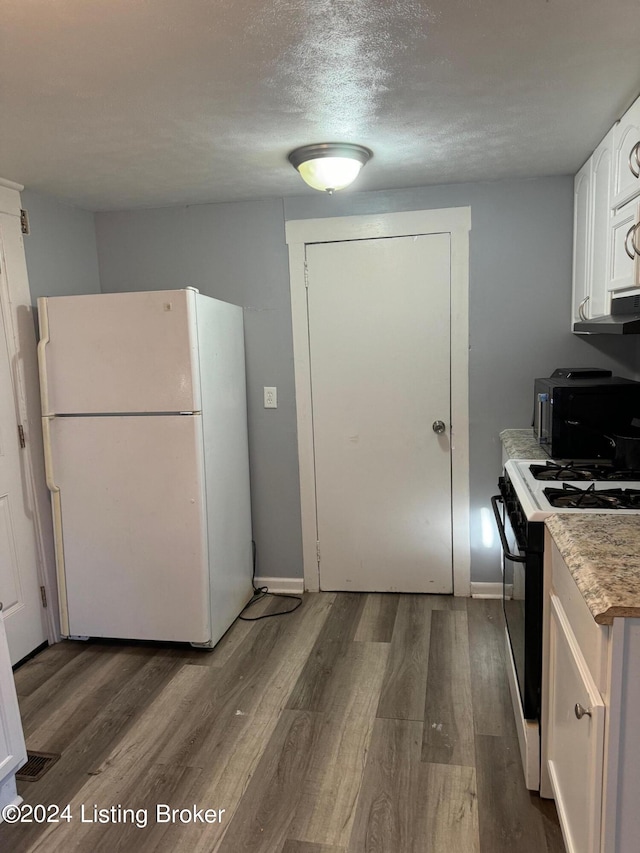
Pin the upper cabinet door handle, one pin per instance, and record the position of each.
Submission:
(630, 235)
(635, 153)
(581, 309)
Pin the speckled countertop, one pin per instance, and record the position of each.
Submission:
(521, 444)
(602, 553)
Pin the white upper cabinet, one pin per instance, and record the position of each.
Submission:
(599, 298)
(581, 241)
(623, 264)
(591, 242)
(606, 224)
(626, 164)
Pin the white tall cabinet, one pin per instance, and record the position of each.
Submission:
(23, 492)
(13, 752)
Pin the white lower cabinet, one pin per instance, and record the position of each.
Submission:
(590, 718)
(13, 752)
(575, 745)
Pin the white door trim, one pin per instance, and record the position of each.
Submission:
(457, 223)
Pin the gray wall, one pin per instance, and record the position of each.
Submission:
(234, 252)
(61, 251)
(520, 283)
(519, 310)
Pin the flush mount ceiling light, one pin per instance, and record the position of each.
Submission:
(329, 166)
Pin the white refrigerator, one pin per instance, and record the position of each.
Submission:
(145, 432)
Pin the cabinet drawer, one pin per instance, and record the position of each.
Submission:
(592, 638)
(575, 745)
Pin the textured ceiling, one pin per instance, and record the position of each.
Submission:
(128, 103)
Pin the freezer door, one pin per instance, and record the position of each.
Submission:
(133, 526)
(119, 352)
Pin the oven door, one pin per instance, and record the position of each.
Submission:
(522, 604)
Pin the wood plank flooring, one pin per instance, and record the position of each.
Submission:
(358, 724)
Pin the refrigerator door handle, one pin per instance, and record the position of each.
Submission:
(43, 321)
(56, 510)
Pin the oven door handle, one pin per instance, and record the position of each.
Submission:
(515, 558)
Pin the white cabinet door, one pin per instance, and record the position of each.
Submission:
(624, 267)
(13, 752)
(626, 171)
(575, 747)
(599, 297)
(581, 242)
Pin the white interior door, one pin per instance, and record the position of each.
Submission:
(379, 337)
(19, 582)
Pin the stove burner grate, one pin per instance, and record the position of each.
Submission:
(573, 497)
(577, 471)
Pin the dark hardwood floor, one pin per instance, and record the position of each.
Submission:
(359, 723)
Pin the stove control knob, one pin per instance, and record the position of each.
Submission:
(438, 427)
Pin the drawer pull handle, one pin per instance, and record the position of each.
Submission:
(581, 712)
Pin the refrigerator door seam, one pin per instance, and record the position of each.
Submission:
(122, 414)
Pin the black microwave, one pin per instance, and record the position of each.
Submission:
(572, 416)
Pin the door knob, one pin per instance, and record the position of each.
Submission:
(438, 427)
(581, 712)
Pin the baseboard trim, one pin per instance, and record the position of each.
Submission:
(293, 586)
(488, 590)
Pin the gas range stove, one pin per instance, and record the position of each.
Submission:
(528, 492)
(546, 489)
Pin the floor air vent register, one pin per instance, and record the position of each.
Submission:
(37, 765)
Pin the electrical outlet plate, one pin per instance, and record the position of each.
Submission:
(270, 398)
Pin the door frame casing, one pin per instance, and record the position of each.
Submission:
(301, 232)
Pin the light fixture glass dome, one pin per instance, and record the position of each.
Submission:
(329, 166)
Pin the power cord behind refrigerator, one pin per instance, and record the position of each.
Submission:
(260, 592)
